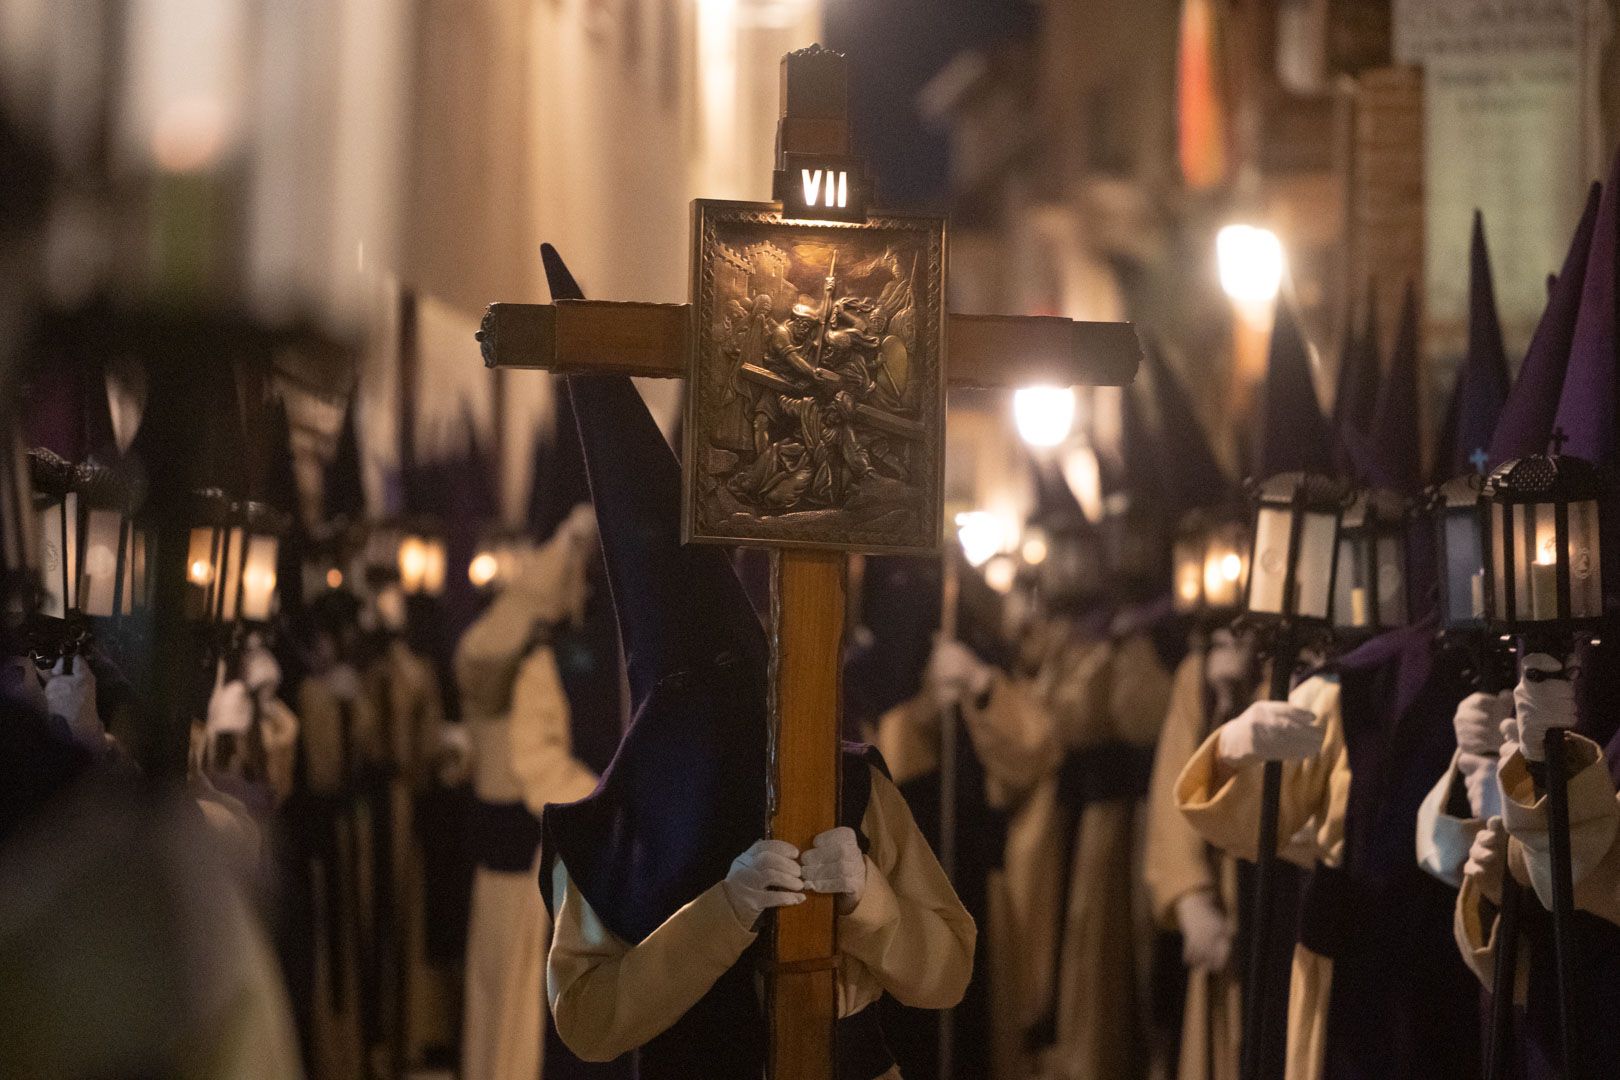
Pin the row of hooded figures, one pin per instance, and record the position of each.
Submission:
(1105, 796)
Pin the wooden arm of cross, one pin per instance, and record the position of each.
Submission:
(654, 340)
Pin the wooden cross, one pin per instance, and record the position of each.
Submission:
(808, 596)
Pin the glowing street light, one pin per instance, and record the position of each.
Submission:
(983, 535)
(1044, 414)
(1251, 263)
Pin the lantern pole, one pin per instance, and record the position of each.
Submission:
(949, 718)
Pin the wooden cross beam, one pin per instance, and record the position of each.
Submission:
(808, 595)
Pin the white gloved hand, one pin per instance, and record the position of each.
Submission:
(1269, 731)
(955, 672)
(1478, 724)
(765, 876)
(230, 709)
(455, 754)
(71, 697)
(834, 865)
(1542, 705)
(260, 671)
(1487, 859)
(1206, 932)
(1230, 660)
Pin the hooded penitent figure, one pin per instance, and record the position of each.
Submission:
(1590, 703)
(1192, 886)
(517, 718)
(1295, 436)
(658, 878)
(900, 608)
(1106, 713)
(1355, 395)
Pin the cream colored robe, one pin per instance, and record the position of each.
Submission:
(1118, 691)
(1224, 806)
(517, 714)
(1177, 861)
(1015, 741)
(421, 996)
(1594, 848)
(909, 936)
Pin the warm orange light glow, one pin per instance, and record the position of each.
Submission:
(334, 578)
(482, 570)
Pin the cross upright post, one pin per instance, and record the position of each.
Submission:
(839, 364)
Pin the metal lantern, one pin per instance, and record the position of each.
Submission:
(1296, 546)
(1071, 569)
(231, 560)
(1133, 539)
(1460, 543)
(1369, 590)
(82, 512)
(422, 560)
(1210, 560)
(1543, 549)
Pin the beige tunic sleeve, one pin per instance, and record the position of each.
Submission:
(909, 931)
(908, 738)
(909, 935)
(542, 744)
(1175, 858)
(1443, 839)
(1314, 795)
(608, 997)
(1474, 927)
(1594, 827)
(1139, 691)
(1015, 739)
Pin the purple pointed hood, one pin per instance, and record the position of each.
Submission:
(557, 483)
(1586, 408)
(1294, 435)
(1391, 456)
(685, 793)
(1356, 396)
(1482, 379)
(1527, 418)
(1193, 478)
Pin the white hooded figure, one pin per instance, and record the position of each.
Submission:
(520, 755)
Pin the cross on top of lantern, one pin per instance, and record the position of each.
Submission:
(1543, 568)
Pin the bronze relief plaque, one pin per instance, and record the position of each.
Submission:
(815, 402)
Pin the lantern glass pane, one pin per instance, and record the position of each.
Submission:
(225, 602)
(135, 572)
(1391, 580)
(1500, 560)
(1189, 574)
(1270, 571)
(1226, 567)
(433, 573)
(1350, 585)
(58, 561)
(1585, 561)
(99, 570)
(1313, 574)
(1464, 568)
(200, 573)
(259, 578)
(1535, 561)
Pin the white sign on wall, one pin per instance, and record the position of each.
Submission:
(1502, 132)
